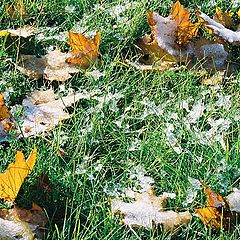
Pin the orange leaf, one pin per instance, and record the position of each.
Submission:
(12, 179)
(217, 213)
(84, 51)
(4, 112)
(186, 29)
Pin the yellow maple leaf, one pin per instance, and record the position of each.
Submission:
(225, 18)
(186, 29)
(84, 51)
(12, 179)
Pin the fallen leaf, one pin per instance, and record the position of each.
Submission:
(12, 179)
(186, 29)
(148, 210)
(225, 18)
(219, 30)
(169, 40)
(217, 213)
(233, 200)
(51, 66)
(43, 112)
(24, 32)
(84, 51)
(16, 10)
(26, 224)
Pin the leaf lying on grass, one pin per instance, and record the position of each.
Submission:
(170, 43)
(84, 51)
(220, 31)
(12, 179)
(24, 32)
(43, 112)
(6, 121)
(148, 210)
(23, 223)
(217, 214)
(51, 66)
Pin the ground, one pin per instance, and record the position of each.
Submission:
(163, 128)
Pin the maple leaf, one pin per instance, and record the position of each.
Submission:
(84, 51)
(225, 18)
(12, 179)
(24, 223)
(169, 40)
(6, 121)
(220, 31)
(147, 210)
(25, 32)
(51, 67)
(43, 112)
(186, 29)
(217, 213)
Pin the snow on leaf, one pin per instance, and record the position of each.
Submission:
(233, 200)
(23, 223)
(51, 66)
(148, 210)
(12, 179)
(25, 32)
(43, 112)
(84, 51)
(220, 31)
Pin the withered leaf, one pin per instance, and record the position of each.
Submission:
(84, 51)
(148, 210)
(219, 30)
(51, 66)
(26, 224)
(12, 179)
(25, 32)
(217, 213)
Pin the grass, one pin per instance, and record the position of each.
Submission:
(98, 163)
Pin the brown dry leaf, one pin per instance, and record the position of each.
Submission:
(186, 29)
(12, 179)
(148, 210)
(225, 18)
(24, 32)
(169, 40)
(51, 66)
(16, 10)
(217, 213)
(43, 112)
(26, 224)
(219, 30)
(6, 121)
(84, 51)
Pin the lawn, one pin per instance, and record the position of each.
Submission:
(138, 128)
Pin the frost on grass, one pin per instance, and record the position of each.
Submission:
(192, 190)
(172, 139)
